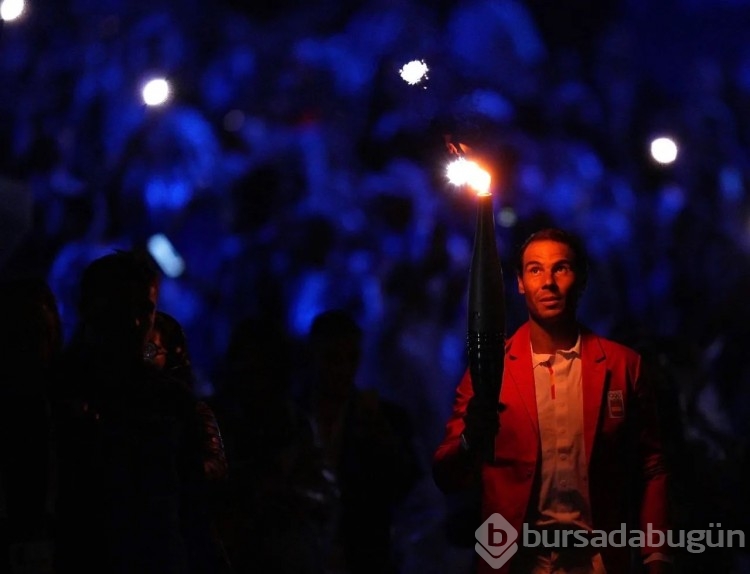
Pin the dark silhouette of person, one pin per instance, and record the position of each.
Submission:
(30, 343)
(277, 498)
(128, 446)
(366, 444)
(167, 350)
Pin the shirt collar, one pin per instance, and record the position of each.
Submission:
(567, 354)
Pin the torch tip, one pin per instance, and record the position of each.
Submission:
(468, 173)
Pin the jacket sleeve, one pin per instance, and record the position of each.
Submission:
(654, 508)
(453, 469)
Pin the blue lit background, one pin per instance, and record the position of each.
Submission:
(293, 170)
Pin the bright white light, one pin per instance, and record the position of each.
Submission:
(456, 171)
(414, 72)
(165, 255)
(664, 150)
(463, 172)
(155, 92)
(11, 9)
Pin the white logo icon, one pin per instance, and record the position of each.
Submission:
(496, 540)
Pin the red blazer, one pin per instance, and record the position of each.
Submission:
(622, 449)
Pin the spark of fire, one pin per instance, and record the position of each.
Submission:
(414, 72)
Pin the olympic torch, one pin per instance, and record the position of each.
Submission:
(486, 309)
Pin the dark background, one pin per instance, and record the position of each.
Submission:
(294, 170)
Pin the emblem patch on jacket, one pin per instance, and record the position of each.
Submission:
(615, 405)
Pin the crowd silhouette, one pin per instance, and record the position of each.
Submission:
(123, 468)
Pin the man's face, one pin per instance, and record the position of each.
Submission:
(548, 281)
(124, 318)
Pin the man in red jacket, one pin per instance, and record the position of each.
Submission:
(577, 447)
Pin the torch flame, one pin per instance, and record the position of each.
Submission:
(468, 173)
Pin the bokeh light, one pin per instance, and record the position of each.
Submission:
(156, 92)
(664, 150)
(165, 255)
(11, 9)
(414, 72)
(508, 217)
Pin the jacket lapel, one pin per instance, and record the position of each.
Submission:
(594, 374)
(521, 373)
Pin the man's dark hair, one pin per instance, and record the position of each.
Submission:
(109, 280)
(334, 324)
(580, 260)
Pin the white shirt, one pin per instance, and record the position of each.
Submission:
(564, 494)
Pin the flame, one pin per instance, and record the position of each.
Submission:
(414, 72)
(464, 172)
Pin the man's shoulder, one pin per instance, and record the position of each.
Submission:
(610, 348)
(519, 335)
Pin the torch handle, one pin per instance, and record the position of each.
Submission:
(486, 320)
(485, 352)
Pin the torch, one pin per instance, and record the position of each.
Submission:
(486, 309)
